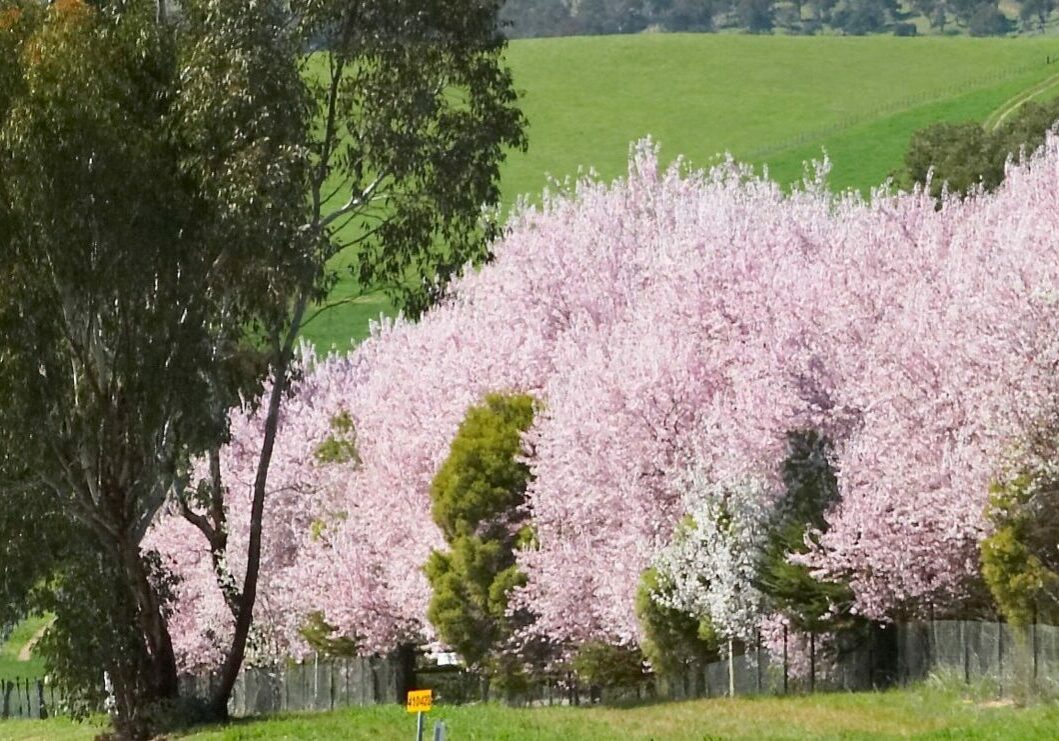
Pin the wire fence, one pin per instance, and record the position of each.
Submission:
(1003, 659)
(1009, 659)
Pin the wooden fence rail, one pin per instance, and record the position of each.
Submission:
(1010, 659)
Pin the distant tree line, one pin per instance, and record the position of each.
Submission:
(529, 18)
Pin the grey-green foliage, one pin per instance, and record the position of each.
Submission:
(854, 17)
(1034, 13)
(173, 189)
(476, 501)
(415, 112)
(156, 221)
(988, 20)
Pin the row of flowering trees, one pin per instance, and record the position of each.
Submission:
(675, 327)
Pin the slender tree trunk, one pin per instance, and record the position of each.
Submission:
(248, 597)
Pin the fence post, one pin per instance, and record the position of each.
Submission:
(786, 666)
(929, 642)
(812, 661)
(1034, 629)
(966, 653)
(871, 658)
(933, 640)
(6, 710)
(42, 708)
(1000, 657)
(332, 665)
(731, 668)
(759, 662)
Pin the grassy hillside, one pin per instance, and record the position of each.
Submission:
(698, 95)
(918, 713)
(766, 99)
(12, 661)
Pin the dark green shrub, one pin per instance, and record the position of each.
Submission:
(811, 489)
(672, 640)
(987, 20)
(476, 499)
(965, 155)
(962, 155)
(609, 666)
(1019, 561)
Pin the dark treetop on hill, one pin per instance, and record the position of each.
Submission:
(529, 18)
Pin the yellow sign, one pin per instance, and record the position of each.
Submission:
(419, 701)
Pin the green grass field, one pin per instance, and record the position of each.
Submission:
(11, 665)
(922, 713)
(771, 100)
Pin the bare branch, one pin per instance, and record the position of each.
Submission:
(363, 198)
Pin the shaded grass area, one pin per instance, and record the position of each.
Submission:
(11, 666)
(932, 713)
(700, 95)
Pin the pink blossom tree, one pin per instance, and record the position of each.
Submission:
(667, 319)
(955, 369)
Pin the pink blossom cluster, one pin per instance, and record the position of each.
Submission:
(951, 367)
(669, 320)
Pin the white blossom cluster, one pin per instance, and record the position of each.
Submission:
(713, 558)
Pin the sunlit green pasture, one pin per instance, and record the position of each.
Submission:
(776, 100)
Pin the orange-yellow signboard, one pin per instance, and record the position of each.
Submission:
(419, 701)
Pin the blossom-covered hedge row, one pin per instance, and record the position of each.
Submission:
(670, 322)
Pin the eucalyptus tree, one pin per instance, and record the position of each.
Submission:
(175, 187)
(412, 113)
(149, 230)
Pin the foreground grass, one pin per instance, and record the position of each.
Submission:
(920, 713)
(888, 715)
(771, 100)
(56, 729)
